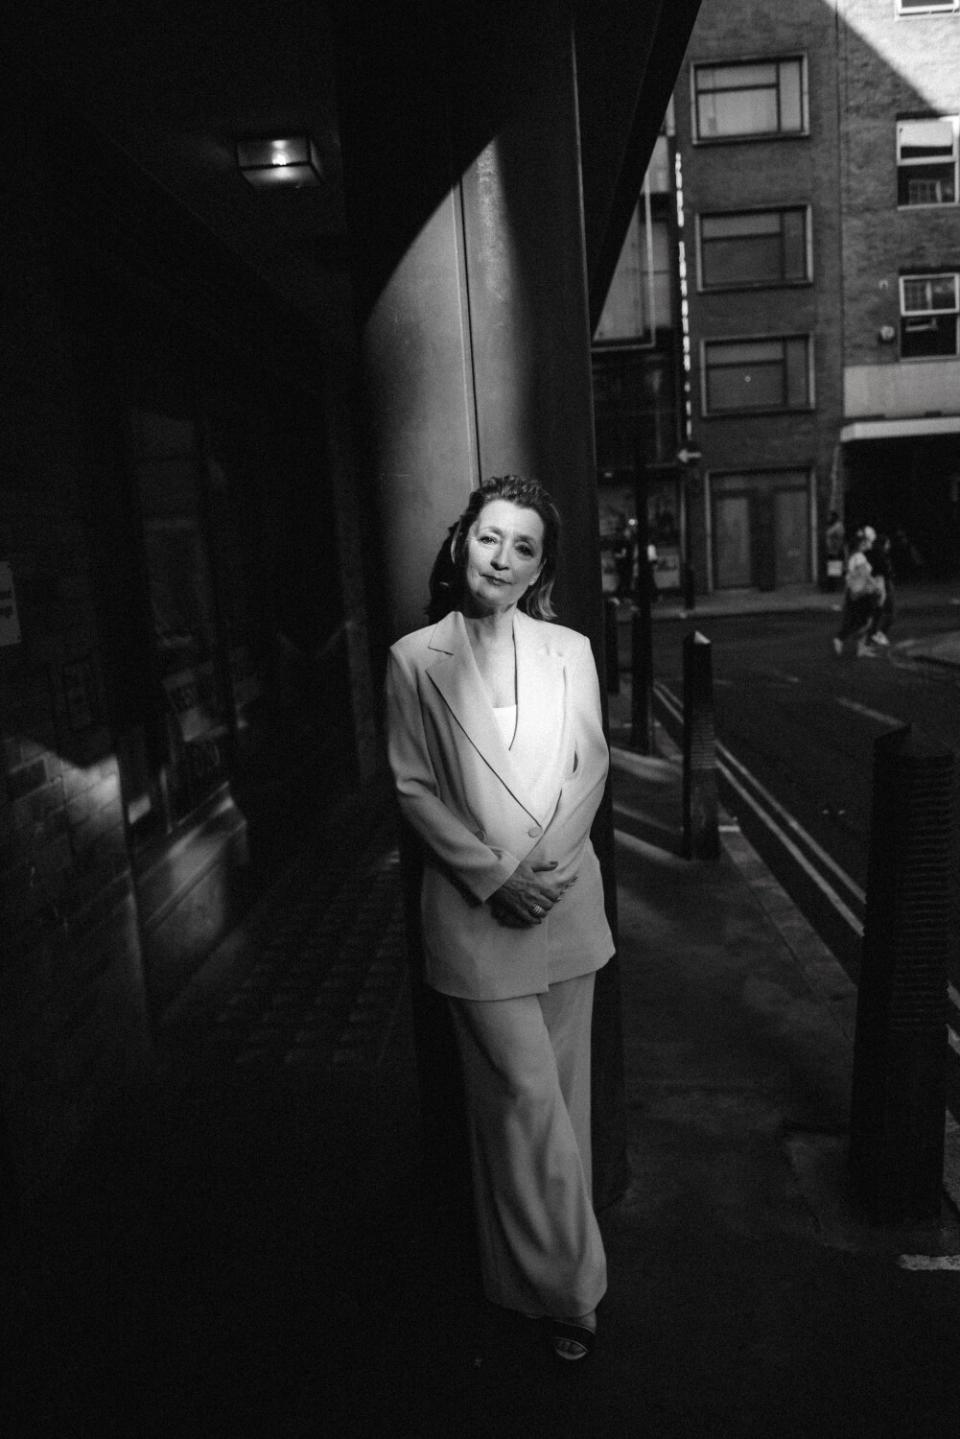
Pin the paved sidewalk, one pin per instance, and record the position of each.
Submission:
(268, 1257)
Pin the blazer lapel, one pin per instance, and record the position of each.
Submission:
(456, 676)
(536, 750)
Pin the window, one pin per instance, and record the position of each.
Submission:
(749, 100)
(928, 315)
(768, 374)
(927, 161)
(759, 247)
(634, 400)
(925, 7)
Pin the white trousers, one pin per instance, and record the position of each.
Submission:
(526, 1066)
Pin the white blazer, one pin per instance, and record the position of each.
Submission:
(481, 808)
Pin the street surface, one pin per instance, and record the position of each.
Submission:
(796, 729)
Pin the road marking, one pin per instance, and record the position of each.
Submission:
(780, 675)
(726, 763)
(812, 873)
(871, 714)
(788, 821)
(917, 1262)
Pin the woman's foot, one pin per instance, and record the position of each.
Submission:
(574, 1338)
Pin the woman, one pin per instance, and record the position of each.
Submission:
(499, 758)
(862, 597)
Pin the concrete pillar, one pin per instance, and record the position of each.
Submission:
(461, 165)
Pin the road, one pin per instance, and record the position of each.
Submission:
(796, 730)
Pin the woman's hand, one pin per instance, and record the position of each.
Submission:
(526, 898)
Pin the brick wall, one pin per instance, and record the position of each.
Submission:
(888, 67)
(758, 173)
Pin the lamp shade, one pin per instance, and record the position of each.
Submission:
(284, 161)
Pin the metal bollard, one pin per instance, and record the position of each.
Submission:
(898, 1096)
(701, 834)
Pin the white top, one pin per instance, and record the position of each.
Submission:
(506, 718)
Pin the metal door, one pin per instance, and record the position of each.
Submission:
(791, 537)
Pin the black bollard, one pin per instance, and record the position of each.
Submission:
(611, 606)
(701, 834)
(898, 1096)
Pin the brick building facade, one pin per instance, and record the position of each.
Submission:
(899, 78)
(759, 174)
(820, 244)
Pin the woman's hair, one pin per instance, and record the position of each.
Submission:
(446, 579)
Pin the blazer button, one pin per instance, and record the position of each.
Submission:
(534, 831)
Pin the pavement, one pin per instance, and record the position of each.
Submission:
(261, 1248)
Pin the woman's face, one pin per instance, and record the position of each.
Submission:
(504, 555)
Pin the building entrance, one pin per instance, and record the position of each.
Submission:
(910, 490)
(761, 529)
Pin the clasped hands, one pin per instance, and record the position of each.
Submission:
(526, 898)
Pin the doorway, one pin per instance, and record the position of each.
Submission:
(761, 529)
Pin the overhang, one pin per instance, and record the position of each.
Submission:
(904, 428)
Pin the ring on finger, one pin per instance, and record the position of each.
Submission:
(538, 910)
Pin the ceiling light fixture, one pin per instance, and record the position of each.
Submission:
(286, 162)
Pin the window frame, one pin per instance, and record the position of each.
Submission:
(904, 166)
(751, 136)
(705, 287)
(916, 314)
(927, 7)
(708, 411)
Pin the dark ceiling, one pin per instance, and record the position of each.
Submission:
(174, 83)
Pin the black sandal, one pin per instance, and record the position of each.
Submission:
(571, 1342)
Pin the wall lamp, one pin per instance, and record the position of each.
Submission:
(287, 162)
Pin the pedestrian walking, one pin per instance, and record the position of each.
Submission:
(881, 564)
(861, 598)
(496, 743)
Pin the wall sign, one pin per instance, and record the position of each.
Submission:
(9, 618)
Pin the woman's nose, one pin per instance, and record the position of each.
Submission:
(498, 561)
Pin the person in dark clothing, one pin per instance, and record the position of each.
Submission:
(862, 598)
(879, 559)
(834, 544)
